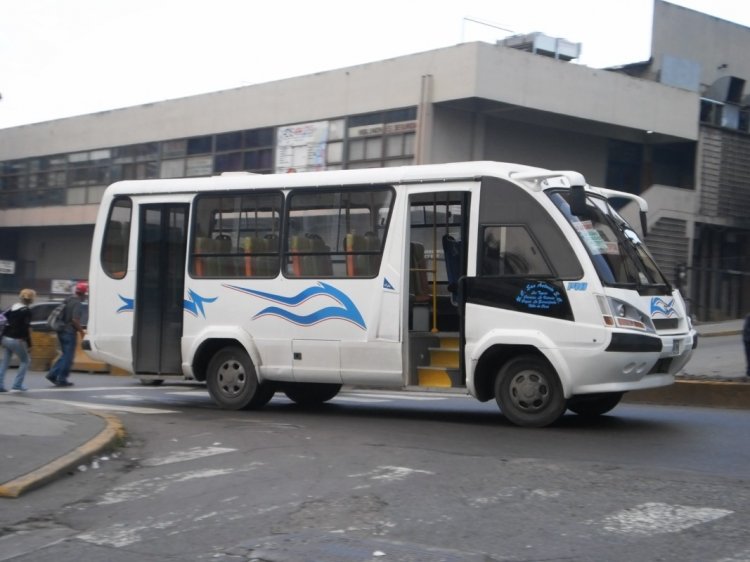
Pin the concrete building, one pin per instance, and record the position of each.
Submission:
(673, 129)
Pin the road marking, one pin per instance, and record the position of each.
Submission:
(390, 473)
(149, 487)
(190, 454)
(652, 518)
(114, 407)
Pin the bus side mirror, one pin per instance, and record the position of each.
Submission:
(578, 201)
(644, 224)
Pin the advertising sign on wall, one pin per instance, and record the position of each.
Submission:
(301, 147)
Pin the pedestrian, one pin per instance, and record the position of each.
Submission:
(746, 341)
(16, 338)
(68, 336)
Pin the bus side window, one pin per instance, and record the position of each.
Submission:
(511, 251)
(114, 254)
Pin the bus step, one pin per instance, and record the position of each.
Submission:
(444, 357)
(448, 342)
(442, 377)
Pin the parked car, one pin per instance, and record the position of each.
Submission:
(41, 310)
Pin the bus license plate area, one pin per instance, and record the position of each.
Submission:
(676, 347)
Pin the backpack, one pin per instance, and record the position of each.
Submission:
(56, 318)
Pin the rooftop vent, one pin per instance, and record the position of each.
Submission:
(541, 44)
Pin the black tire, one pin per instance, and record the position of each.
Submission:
(593, 405)
(152, 382)
(529, 393)
(233, 383)
(311, 394)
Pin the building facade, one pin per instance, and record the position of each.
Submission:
(673, 129)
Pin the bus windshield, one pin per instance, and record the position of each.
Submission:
(617, 252)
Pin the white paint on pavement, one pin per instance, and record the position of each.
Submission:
(651, 519)
(189, 455)
(149, 487)
(115, 407)
(390, 473)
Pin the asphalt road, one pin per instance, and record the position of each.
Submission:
(381, 476)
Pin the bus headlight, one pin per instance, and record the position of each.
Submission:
(617, 313)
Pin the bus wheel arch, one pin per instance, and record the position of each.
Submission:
(232, 379)
(490, 362)
(529, 392)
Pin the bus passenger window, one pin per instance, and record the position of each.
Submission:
(336, 233)
(236, 235)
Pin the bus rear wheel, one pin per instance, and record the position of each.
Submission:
(310, 394)
(529, 393)
(233, 383)
(593, 405)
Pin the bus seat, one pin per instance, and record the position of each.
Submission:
(369, 264)
(419, 286)
(452, 253)
(360, 263)
(225, 264)
(318, 265)
(203, 264)
(352, 243)
(267, 266)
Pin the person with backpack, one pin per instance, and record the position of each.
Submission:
(16, 338)
(67, 335)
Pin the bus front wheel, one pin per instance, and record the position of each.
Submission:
(233, 383)
(310, 394)
(529, 393)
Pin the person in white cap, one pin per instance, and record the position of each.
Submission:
(68, 334)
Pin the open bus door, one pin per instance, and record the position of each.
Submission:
(160, 280)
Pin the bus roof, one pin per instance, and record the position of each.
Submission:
(367, 176)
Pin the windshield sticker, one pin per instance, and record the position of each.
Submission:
(129, 305)
(662, 308)
(539, 296)
(591, 237)
(578, 286)
(347, 311)
(194, 304)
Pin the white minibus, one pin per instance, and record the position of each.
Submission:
(502, 281)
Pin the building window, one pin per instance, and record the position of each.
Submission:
(381, 138)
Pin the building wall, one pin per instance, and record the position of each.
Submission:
(472, 70)
(547, 148)
(718, 46)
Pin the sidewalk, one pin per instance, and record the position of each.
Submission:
(45, 439)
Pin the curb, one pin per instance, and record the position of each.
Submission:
(112, 433)
(698, 393)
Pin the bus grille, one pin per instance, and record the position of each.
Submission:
(666, 323)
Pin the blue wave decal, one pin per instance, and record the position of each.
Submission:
(347, 311)
(195, 304)
(129, 305)
(662, 307)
